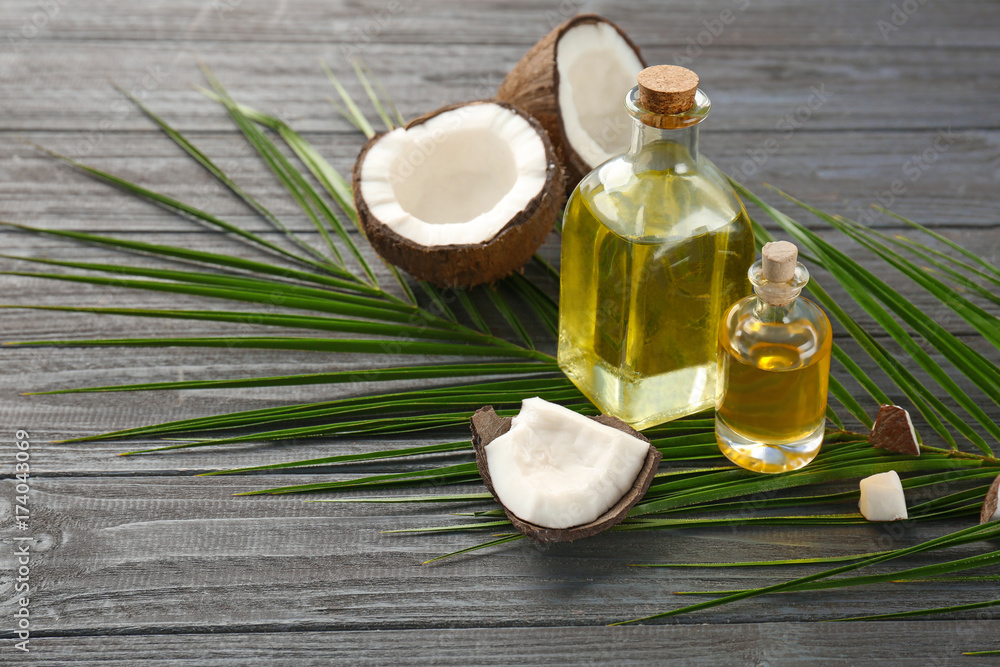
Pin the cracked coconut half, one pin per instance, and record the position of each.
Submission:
(559, 475)
(574, 83)
(461, 196)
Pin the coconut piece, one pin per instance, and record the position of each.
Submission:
(882, 497)
(990, 510)
(893, 430)
(574, 81)
(461, 196)
(550, 464)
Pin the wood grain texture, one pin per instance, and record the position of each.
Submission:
(138, 562)
(845, 172)
(170, 554)
(773, 644)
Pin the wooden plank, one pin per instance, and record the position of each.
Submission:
(696, 645)
(50, 418)
(134, 546)
(26, 290)
(365, 24)
(752, 88)
(950, 187)
(64, 416)
(176, 554)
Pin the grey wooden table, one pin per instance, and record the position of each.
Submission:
(139, 562)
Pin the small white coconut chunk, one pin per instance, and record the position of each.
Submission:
(882, 497)
(557, 469)
(996, 515)
(596, 68)
(457, 178)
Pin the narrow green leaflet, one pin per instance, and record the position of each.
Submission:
(283, 170)
(508, 314)
(492, 543)
(199, 257)
(983, 532)
(335, 377)
(929, 405)
(350, 109)
(461, 446)
(362, 73)
(925, 612)
(337, 295)
(945, 240)
(223, 178)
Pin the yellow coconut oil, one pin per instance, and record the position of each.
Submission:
(774, 371)
(655, 247)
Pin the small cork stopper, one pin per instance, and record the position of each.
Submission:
(667, 89)
(779, 261)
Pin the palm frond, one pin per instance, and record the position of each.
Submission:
(506, 357)
(222, 177)
(982, 532)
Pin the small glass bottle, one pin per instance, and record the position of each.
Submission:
(655, 245)
(774, 369)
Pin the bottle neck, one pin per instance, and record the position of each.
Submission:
(672, 147)
(663, 142)
(770, 314)
(775, 301)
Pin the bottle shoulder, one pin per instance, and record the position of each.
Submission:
(660, 205)
(803, 334)
(804, 312)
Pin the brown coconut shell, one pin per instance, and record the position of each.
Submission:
(487, 426)
(893, 431)
(533, 85)
(466, 265)
(990, 504)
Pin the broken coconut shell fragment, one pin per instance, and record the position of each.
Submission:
(989, 512)
(574, 81)
(893, 430)
(461, 196)
(487, 427)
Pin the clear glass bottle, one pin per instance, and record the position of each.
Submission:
(774, 369)
(655, 245)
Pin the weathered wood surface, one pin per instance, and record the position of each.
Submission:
(701, 646)
(141, 563)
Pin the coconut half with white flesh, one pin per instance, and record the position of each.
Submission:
(574, 83)
(561, 476)
(461, 196)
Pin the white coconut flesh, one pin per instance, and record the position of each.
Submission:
(457, 178)
(558, 469)
(882, 497)
(596, 68)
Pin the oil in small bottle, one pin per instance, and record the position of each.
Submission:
(774, 368)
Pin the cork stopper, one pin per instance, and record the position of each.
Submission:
(667, 89)
(778, 284)
(779, 261)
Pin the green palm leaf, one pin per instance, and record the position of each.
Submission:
(511, 359)
(218, 173)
